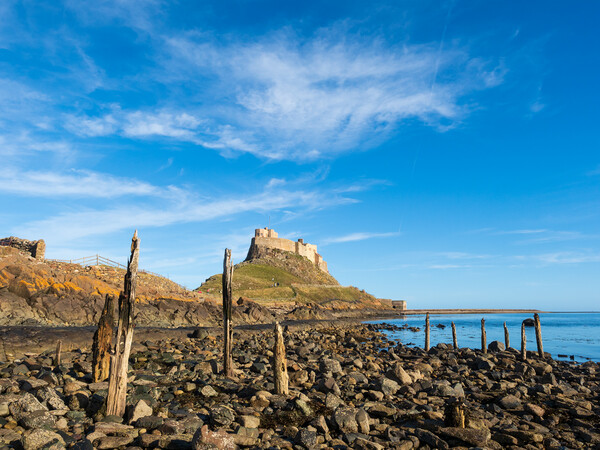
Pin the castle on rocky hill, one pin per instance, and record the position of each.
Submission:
(266, 239)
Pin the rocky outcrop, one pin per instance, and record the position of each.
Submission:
(37, 249)
(53, 293)
(297, 265)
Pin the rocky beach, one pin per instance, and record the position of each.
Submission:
(350, 387)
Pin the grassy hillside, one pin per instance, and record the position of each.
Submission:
(286, 278)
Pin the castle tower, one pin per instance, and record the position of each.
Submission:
(267, 238)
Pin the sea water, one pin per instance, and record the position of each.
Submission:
(576, 336)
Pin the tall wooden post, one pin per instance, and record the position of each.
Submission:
(227, 306)
(506, 337)
(523, 342)
(280, 363)
(454, 340)
(117, 382)
(538, 335)
(427, 332)
(102, 343)
(57, 355)
(483, 337)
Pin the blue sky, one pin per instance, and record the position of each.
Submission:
(442, 152)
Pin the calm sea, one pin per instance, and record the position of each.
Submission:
(571, 334)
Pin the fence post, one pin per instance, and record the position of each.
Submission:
(538, 335)
(454, 340)
(227, 306)
(427, 332)
(483, 337)
(523, 342)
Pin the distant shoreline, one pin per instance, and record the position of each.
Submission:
(470, 311)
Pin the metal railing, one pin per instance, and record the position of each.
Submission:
(97, 260)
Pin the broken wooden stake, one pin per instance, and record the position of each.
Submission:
(427, 332)
(227, 326)
(455, 414)
(57, 355)
(506, 337)
(117, 382)
(454, 340)
(102, 343)
(280, 363)
(483, 337)
(523, 342)
(538, 335)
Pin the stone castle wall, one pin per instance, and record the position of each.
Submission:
(267, 238)
(37, 249)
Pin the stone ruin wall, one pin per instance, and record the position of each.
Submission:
(37, 249)
(267, 238)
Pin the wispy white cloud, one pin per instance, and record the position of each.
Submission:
(77, 183)
(360, 236)
(524, 231)
(179, 125)
(449, 266)
(464, 255)
(140, 15)
(568, 257)
(176, 210)
(22, 145)
(285, 97)
(542, 235)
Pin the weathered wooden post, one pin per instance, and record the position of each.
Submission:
(57, 355)
(523, 342)
(538, 335)
(506, 337)
(455, 414)
(454, 340)
(483, 337)
(427, 332)
(227, 306)
(117, 382)
(280, 363)
(102, 343)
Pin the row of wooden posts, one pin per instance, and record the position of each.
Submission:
(538, 337)
(110, 360)
(280, 375)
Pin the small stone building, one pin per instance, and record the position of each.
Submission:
(399, 304)
(37, 249)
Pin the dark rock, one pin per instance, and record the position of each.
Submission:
(473, 437)
(330, 365)
(222, 416)
(200, 334)
(306, 438)
(509, 402)
(345, 419)
(149, 422)
(496, 346)
(82, 445)
(430, 439)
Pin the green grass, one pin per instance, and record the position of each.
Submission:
(253, 277)
(299, 282)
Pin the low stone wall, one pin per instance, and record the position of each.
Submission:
(37, 249)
